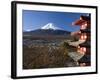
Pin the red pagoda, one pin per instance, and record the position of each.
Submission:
(84, 34)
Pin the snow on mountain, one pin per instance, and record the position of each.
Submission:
(50, 26)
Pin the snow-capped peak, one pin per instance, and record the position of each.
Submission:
(50, 26)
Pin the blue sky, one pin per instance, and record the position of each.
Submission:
(32, 20)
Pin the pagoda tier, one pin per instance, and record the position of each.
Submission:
(85, 59)
(85, 36)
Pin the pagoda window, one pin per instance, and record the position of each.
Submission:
(81, 50)
(84, 26)
(83, 36)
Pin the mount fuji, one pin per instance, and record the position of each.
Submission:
(48, 30)
(50, 26)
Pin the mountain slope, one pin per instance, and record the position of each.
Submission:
(47, 30)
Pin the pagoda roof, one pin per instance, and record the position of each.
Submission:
(85, 44)
(85, 31)
(85, 59)
(78, 22)
(81, 20)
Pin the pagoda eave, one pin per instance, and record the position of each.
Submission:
(78, 22)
